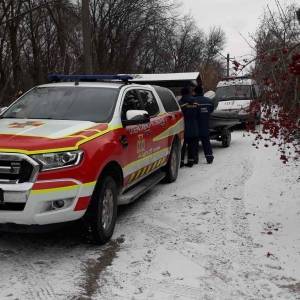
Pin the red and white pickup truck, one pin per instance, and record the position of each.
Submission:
(76, 149)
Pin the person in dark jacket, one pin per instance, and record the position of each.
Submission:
(191, 131)
(206, 107)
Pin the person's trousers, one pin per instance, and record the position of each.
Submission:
(205, 140)
(190, 146)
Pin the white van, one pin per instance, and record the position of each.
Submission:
(235, 95)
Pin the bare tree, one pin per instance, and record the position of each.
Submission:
(86, 37)
(104, 36)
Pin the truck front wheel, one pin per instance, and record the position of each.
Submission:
(102, 212)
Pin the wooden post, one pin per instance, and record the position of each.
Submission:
(228, 59)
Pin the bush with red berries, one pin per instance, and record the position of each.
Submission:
(277, 71)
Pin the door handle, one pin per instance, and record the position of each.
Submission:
(123, 140)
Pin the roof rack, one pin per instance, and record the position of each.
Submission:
(88, 78)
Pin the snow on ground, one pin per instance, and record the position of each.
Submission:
(224, 231)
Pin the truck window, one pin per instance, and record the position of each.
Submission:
(66, 103)
(234, 92)
(149, 102)
(131, 102)
(167, 98)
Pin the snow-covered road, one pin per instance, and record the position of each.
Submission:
(230, 230)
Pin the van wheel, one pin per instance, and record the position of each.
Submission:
(226, 138)
(102, 213)
(172, 166)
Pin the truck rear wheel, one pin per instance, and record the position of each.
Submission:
(102, 213)
(172, 166)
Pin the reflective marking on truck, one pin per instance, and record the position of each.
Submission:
(144, 162)
(146, 170)
(90, 187)
(172, 130)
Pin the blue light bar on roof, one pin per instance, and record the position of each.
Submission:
(76, 78)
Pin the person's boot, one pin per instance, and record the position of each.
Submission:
(190, 163)
(182, 164)
(209, 159)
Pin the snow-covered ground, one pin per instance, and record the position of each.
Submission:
(230, 230)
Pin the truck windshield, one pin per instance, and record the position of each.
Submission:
(95, 104)
(234, 92)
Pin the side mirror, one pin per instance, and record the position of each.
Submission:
(135, 117)
(3, 109)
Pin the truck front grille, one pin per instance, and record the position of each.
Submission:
(12, 206)
(17, 168)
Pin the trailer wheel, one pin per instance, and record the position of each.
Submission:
(226, 138)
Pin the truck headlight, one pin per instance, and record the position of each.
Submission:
(58, 160)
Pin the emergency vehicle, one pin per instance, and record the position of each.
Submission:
(82, 145)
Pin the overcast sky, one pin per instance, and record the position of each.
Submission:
(233, 16)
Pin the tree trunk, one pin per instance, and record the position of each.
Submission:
(86, 34)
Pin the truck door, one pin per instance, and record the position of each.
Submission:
(158, 147)
(136, 139)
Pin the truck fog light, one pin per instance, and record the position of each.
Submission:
(58, 204)
(61, 203)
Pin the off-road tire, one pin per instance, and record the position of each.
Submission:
(105, 197)
(173, 164)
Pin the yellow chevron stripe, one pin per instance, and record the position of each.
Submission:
(131, 178)
(156, 164)
(153, 166)
(144, 171)
(163, 160)
(149, 168)
(138, 174)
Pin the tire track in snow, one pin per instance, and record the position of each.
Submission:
(230, 269)
(35, 266)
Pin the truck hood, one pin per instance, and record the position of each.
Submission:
(53, 129)
(233, 105)
(37, 135)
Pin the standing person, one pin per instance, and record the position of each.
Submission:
(190, 111)
(206, 107)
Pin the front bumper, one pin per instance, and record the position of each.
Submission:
(37, 204)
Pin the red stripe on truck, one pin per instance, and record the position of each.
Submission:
(82, 203)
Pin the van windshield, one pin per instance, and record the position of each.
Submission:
(95, 104)
(234, 92)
